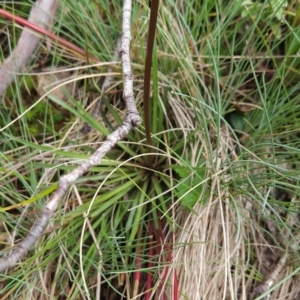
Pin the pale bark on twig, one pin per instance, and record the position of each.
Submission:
(268, 283)
(42, 15)
(132, 119)
(274, 274)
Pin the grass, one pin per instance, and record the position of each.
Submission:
(210, 208)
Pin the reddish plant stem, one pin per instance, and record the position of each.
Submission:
(168, 250)
(45, 32)
(138, 266)
(175, 286)
(150, 263)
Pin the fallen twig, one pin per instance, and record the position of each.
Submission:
(132, 119)
(60, 41)
(272, 277)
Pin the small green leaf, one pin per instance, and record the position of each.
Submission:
(278, 8)
(237, 120)
(189, 188)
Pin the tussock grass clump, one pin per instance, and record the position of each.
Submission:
(210, 209)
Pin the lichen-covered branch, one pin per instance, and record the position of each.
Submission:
(126, 65)
(41, 15)
(132, 119)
